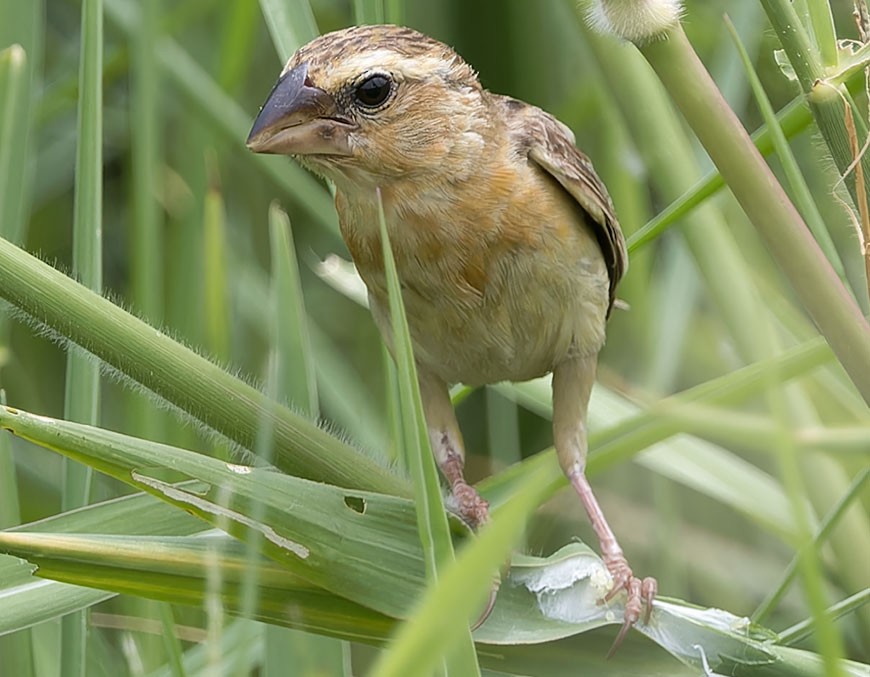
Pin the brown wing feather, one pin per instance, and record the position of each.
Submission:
(550, 145)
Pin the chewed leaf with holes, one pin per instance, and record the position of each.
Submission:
(317, 531)
(336, 553)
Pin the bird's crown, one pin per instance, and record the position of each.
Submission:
(344, 55)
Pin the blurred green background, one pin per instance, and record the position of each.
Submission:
(186, 245)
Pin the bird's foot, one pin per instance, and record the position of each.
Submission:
(471, 506)
(641, 594)
(474, 510)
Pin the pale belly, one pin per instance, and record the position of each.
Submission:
(533, 314)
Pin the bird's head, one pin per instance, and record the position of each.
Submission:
(370, 104)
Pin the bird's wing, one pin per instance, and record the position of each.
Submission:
(550, 145)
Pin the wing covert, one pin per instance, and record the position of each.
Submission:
(550, 145)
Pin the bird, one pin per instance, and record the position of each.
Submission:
(506, 242)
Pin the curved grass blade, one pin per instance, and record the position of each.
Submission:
(176, 373)
(28, 601)
(320, 532)
(417, 454)
(175, 569)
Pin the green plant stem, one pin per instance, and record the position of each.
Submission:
(666, 150)
(825, 102)
(823, 532)
(762, 198)
(82, 388)
(187, 380)
(798, 184)
(805, 628)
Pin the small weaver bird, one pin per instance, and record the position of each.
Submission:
(506, 242)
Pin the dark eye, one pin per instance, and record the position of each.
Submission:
(373, 91)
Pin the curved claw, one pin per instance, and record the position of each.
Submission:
(490, 604)
(640, 597)
(623, 631)
(649, 587)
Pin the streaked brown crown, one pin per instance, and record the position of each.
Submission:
(343, 45)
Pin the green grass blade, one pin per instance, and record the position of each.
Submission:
(146, 258)
(28, 601)
(417, 453)
(146, 151)
(14, 95)
(237, 45)
(176, 569)
(14, 131)
(17, 650)
(831, 520)
(253, 503)
(341, 390)
(179, 375)
(503, 427)
(82, 397)
(805, 628)
(296, 377)
(228, 119)
(295, 382)
(82, 380)
(10, 512)
(291, 24)
(21, 41)
(823, 33)
(455, 599)
(368, 12)
(171, 642)
(216, 284)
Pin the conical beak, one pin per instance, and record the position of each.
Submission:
(299, 119)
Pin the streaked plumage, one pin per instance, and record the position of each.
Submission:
(506, 241)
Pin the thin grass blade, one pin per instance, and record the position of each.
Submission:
(417, 453)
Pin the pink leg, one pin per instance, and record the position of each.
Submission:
(449, 452)
(572, 386)
(448, 448)
(641, 593)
